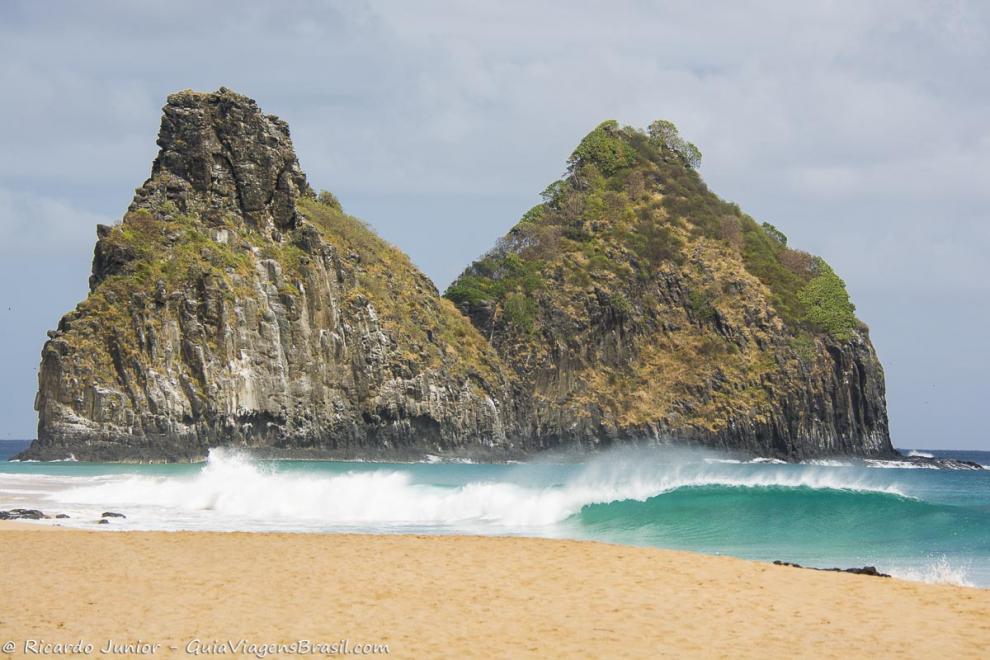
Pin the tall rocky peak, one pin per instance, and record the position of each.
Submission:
(220, 154)
(232, 307)
(634, 303)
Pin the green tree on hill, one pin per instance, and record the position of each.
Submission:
(663, 132)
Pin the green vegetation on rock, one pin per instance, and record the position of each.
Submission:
(633, 202)
(827, 303)
(605, 148)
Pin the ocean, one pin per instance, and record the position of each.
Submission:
(921, 524)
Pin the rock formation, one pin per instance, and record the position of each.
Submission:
(233, 306)
(635, 304)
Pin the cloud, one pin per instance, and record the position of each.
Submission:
(859, 128)
(33, 226)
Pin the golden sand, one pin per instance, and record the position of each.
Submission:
(463, 597)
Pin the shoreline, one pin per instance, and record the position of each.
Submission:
(563, 457)
(464, 595)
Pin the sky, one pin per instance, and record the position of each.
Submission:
(858, 128)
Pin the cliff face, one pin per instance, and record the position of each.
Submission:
(231, 306)
(635, 304)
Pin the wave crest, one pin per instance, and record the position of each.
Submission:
(234, 485)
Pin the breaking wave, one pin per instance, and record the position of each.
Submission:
(233, 484)
(918, 524)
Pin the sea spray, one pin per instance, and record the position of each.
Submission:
(936, 570)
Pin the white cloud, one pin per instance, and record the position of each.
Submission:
(44, 227)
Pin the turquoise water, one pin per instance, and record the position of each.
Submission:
(924, 524)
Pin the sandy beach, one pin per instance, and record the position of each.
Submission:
(462, 597)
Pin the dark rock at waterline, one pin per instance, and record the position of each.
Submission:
(111, 514)
(941, 463)
(102, 521)
(22, 514)
(866, 570)
(62, 516)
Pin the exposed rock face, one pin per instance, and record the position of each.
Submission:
(635, 304)
(220, 155)
(597, 375)
(232, 307)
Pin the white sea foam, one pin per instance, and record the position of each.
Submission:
(920, 454)
(242, 492)
(897, 465)
(759, 460)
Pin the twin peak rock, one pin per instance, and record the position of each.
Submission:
(233, 306)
